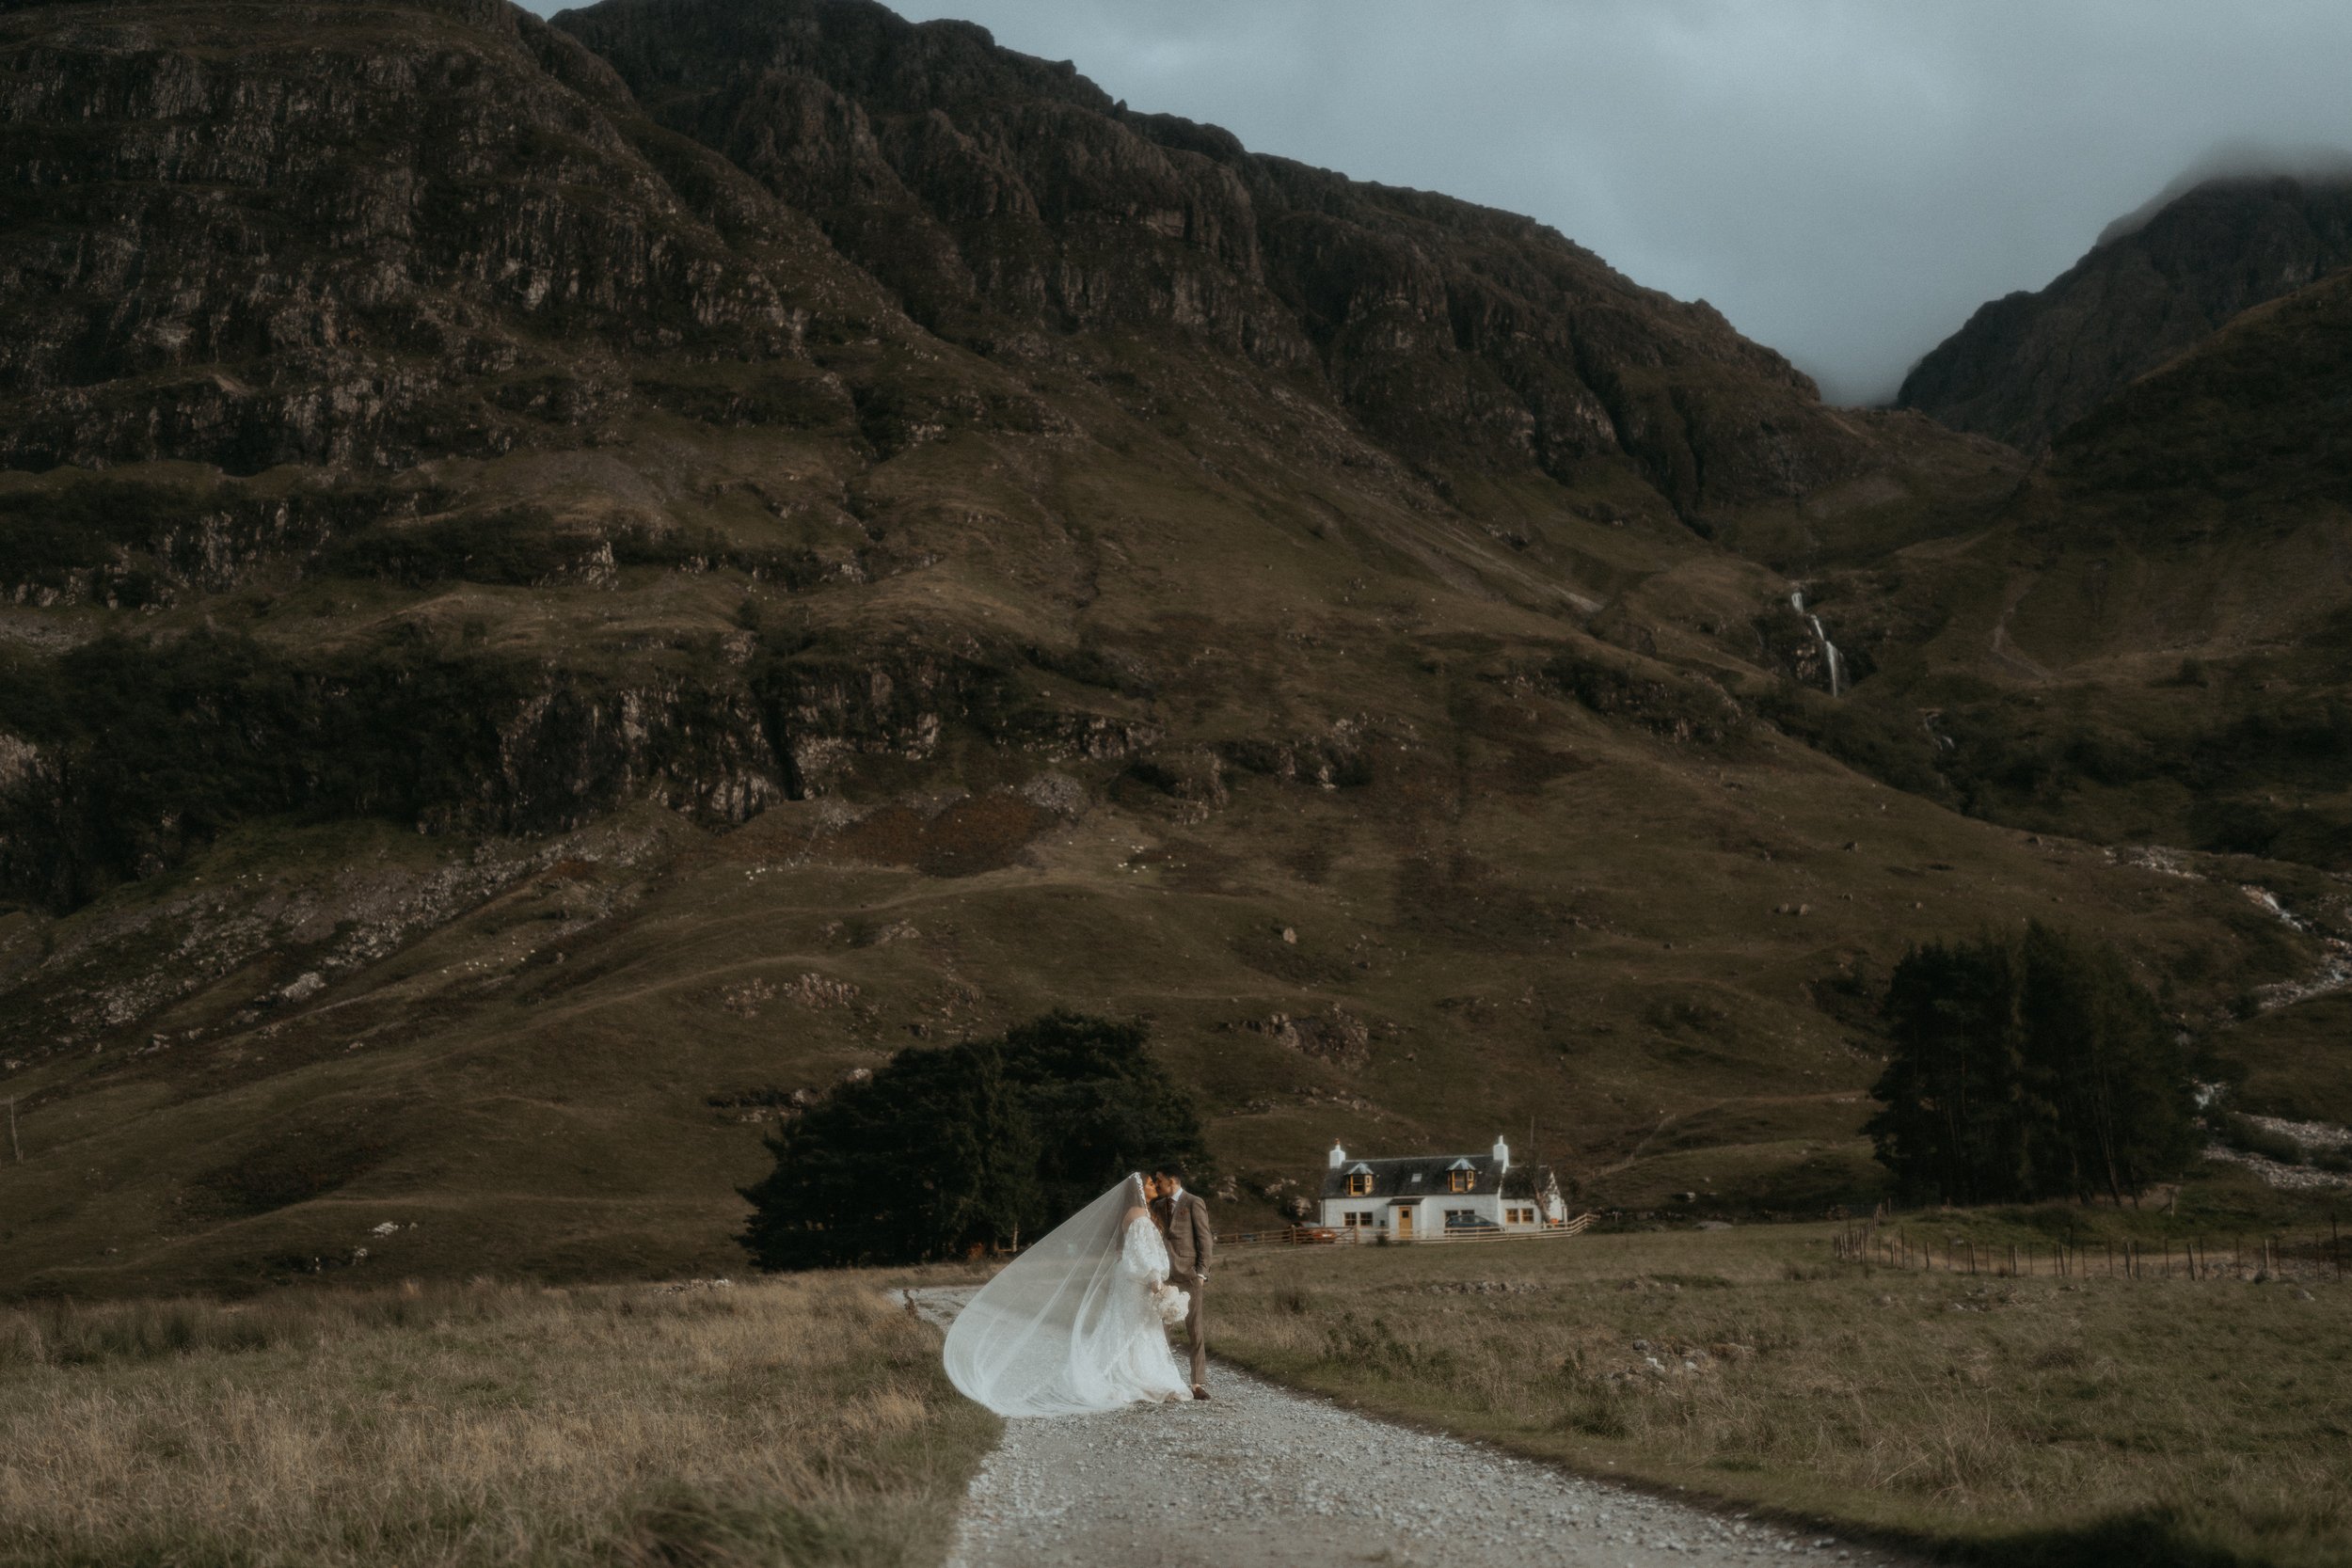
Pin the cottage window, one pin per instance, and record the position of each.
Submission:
(1359, 1185)
(1461, 1216)
(1464, 1181)
(1356, 1219)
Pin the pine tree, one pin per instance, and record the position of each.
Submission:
(2027, 1068)
(1950, 1126)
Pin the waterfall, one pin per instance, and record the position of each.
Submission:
(1829, 650)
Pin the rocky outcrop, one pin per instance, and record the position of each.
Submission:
(256, 234)
(1006, 200)
(2029, 365)
(144, 752)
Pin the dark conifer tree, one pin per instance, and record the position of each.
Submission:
(971, 1146)
(1950, 1126)
(934, 1155)
(1110, 1106)
(2027, 1068)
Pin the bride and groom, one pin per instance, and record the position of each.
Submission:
(1079, 1321)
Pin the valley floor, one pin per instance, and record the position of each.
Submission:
(2015, 1421)
(1260, 1477)
(802, 1421)
(1712, 1393)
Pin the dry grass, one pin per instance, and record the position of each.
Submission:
(803, 1421)
(2015, 1421)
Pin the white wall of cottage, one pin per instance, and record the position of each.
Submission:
(1429, 1212)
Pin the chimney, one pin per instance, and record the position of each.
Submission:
(1339, 1155)
(1502, 1153)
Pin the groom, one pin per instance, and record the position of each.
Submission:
(1191, 1245)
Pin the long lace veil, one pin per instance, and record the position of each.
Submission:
(1037, 1338)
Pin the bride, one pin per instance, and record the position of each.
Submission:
(1078, 1321)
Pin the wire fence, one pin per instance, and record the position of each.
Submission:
(2277, 1255)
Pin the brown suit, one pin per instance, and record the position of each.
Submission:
(1191, 1247)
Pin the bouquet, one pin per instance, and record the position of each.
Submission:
(1173, 1304)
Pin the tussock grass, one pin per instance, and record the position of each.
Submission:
(2018, 1420)
(799, 1421)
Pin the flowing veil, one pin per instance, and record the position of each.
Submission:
(1050, 1334)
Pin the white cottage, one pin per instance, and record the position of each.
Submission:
(1429, 1197)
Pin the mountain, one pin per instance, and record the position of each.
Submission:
(569, 587)
(2149, 645)
(998, 196)
(2027, 365)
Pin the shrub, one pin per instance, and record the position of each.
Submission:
(973, 1146)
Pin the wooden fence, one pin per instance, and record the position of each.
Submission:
(2274, 1256)
(1322, 1235)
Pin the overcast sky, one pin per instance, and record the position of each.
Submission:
(1845, 180)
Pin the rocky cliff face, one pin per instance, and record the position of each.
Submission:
(2027, 365)
(251, 235)
(476, 322)
(1000, 197)
(355, 234)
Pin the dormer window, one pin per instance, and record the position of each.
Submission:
(1359, 1184)
(1462, 1180)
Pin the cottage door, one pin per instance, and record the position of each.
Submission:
(1404, 1224)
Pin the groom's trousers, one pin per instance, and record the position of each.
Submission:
(1196, 1330)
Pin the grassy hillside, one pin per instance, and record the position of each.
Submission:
(707, 645)
(2149, 645)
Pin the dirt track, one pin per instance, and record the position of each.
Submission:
(1261, 1478)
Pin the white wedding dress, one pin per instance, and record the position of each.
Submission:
(1073, 1323)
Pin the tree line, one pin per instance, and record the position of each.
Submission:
(2026, 1068)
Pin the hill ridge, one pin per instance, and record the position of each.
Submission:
(2026, 366)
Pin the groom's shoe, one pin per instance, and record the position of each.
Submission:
(1200, 1391)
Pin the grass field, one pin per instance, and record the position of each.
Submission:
(2013, 1421)
(806, 1421)
(798, 1421)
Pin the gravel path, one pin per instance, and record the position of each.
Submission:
(1261, 1478)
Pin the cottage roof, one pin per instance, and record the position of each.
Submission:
(1420, 1176)
(1404, 1180)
